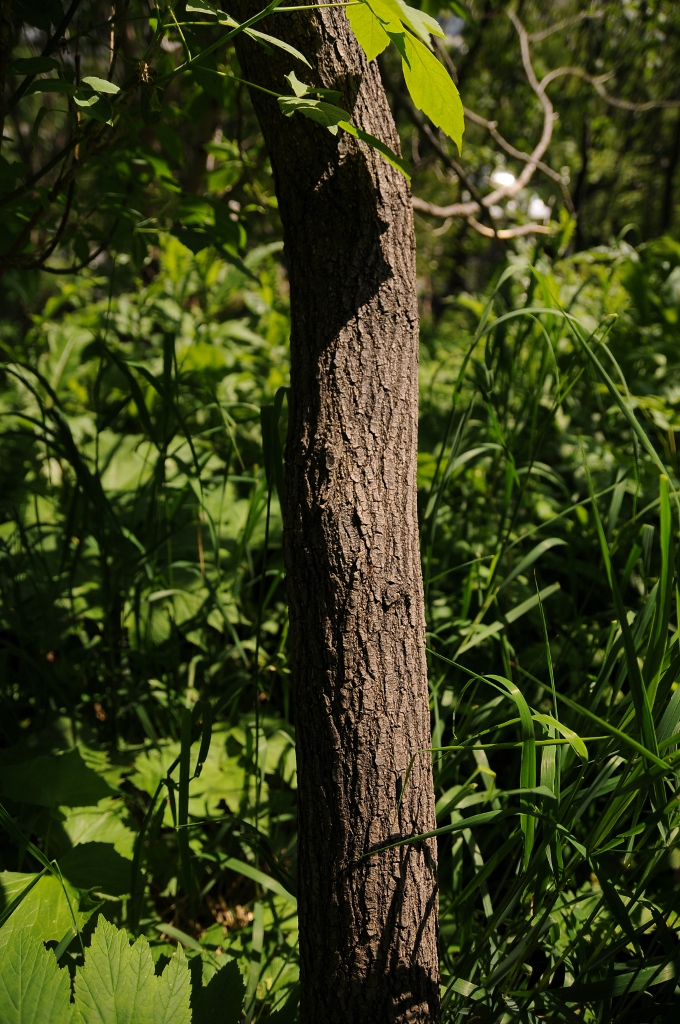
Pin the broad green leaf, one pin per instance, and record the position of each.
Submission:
(575, 740)
(432, 89)
(10, 905)
(50, 85)
(221, 999)
(369, 31)
(173, 992)
(117, 984)
(302, 89)
(45, 912)
(50, 781)
(374, 22)
(102, 823)
(32, 66)
(421, 23)
(390, 13)
(101, 85)
(97, 866)
(222, 778)
(86, 98)
(325, 114)
(370, 140)
(33, 989)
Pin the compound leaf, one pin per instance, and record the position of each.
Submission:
(432, 89)
(325, 114)
(369, 31)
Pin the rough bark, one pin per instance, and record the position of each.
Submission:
(368, 924)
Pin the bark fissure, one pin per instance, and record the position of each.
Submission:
(368, 945)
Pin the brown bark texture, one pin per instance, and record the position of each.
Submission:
(368, 922)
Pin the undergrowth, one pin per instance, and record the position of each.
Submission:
(147, 709)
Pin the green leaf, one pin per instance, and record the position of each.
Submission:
(302, 89)
(369, 31)
(32, 66)
(53, 780)
(203, 8)
(376, 21)
(9, 907)
(102, 823)
(50, 85)
(117, 983)
(221, 999)
(263, 37)
(266, 881)
(47, 910)
(575, 740)
(101, 85)
(421, 23)
(432, 89)
(528, 560)
(173, 992)
(33, 990)
(527, 771)
(325, 114)
(370, 140)
(97, 866)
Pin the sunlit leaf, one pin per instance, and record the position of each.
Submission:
(432, 89)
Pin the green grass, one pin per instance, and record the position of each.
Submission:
(144, 629)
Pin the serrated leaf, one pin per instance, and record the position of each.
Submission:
(369, 31)
(118, 985)
(44, 912)
(432, 89)
(101, 85)
(222, 998)
(115, 983)
(173, 992)
(32, 66)
(33, 990)
(325, 114)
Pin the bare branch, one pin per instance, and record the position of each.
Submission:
(597, 82)
(454, 210)
(491, 127)
(537, 37)
(516, 232)
(531, 160)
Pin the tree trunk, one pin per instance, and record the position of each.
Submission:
(368, 922)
